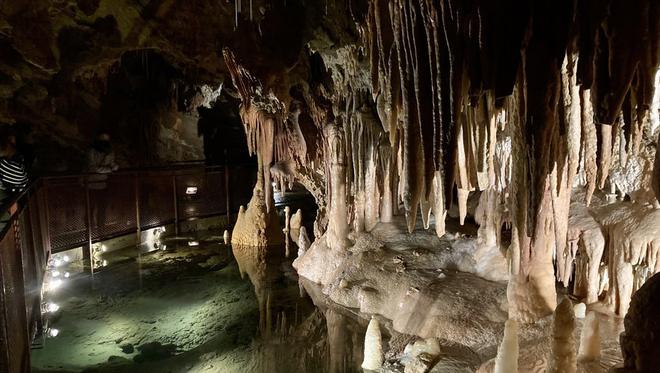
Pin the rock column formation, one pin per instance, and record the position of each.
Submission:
(262, 116)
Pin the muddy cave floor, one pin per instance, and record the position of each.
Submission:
(187, 309)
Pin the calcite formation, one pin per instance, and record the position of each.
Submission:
(562, 358)
(373, 349)
(507, 353)
(590, 339)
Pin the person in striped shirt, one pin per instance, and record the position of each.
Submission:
(13, 172)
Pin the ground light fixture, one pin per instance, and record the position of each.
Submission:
(51, 307)
(52, 332)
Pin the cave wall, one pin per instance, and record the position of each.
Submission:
(60, 57)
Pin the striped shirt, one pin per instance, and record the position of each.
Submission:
(12, 174)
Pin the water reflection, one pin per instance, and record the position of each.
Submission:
(297, 333)
(218, 315)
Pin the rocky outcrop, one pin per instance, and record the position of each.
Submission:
(640, 343)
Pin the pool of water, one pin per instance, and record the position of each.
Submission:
(198, 306)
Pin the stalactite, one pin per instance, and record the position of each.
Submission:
(565, 254)
(588, 147)
(461, 97)
(585, 236)
(656, 172)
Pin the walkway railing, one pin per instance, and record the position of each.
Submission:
(57, 213)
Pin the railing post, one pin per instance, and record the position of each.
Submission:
(176, 206)
(227, 208)
(44, 217)
(138, 225)
(137, 209)
(4, 336)
(18, 248)
(88, 258)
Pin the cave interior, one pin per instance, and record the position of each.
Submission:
(450, 185)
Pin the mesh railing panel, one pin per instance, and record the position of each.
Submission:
(240, 192)
(67, 216)
(209, 198)
(156, 200)
(112, 209)
(40, 251)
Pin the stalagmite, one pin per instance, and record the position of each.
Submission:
(337, 233)
(507, 352)
(491, 262)
(373, 349)
(590, 338)
(588, 242)
(286, 229)
(580, 310)
(225, 237)
(295, 223)
(303, 242)
(562, 356)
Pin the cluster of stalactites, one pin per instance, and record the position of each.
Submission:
(263, 119)
(440, 70)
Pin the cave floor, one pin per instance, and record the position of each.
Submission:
(188, 309)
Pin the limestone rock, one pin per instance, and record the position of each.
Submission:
(640, 343)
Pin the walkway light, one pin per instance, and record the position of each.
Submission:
(54, 284)
(52, 307)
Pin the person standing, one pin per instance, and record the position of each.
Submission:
(13, 173)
